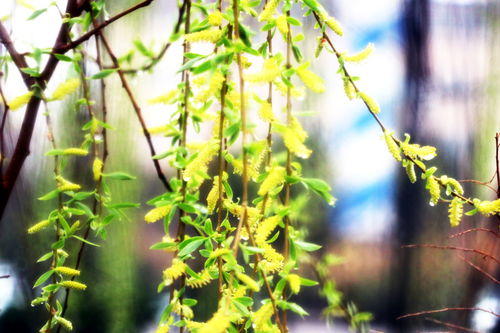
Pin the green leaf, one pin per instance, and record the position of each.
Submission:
(309, 247)
(297, 309)
(307, 282)
(102, 74)
(163, 245)
(205, 66)
(187, 208)
(313, 4)
(321, 188)
(85, 241)
(122, 205)
(46, 256)
(246, 301)
(118, 176)
(143, 49)
(293, 21)
(36, 13)
(190, 245)
(44, 277)
(51, 195)
(58, 245)
(30, 71)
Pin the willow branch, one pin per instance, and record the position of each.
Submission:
(137, 109)
(455, 248)
(450, 325)
(446, 310)
(18, 58)
(479, 269)
(496, 234)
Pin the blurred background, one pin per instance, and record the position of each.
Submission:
(436, 74)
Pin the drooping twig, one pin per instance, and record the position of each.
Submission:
(494, 233)
(479, 269)
(138, 111)
(448, 247)
(450, 325)
(421, 313)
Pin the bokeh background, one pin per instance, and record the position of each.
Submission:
(436, 75)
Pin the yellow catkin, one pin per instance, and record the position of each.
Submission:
(266, 227)
(219, 322)
(213, 195)
(365, 53)
(186, 311)
(349, 90)
(266, 112)
(67, 271)
(414, 151)
(311, 80)
(269, 10)
(164, 99)
(20, 101)
(215, 18)
(455, 185)
(270, 71)
(275, 178)
(262, 316)
(392, 146)
(157, 213)
(201, 161)
(64, 185)
(455, 212)
(248, 281)
(158, 129)
(370, 102)
(65, 88)
(176, 270)
(271, 255)
(204, 279)
(208, 36)
(283, 89)
(282, 24)
(75, 151)
(294, 282)
(410, 171)
(97, 168)
(64, 323)
(434, 190)
(39, 226)
(487, 207)
(214, 86)
(163, 328)
(73, 285)
(294, 137)
(270, 267)
(219, 252)
(331, 22)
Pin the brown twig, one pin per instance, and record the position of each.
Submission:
(73, 44)
(18, 58)
(137, 109)
(448, 247)
(494, 233)
(450, 325)
(477, 182)
(479, 269)
(2, 130)
(4, 276)
(416, 314)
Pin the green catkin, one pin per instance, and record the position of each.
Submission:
(358, 57)
(434, 190)
(456, 211)
(64, 185)
(64, 323)
(487, 208)
(75, 151)
(39, 226)
(392, 146)
(370, 102)
(67, 271)
(410, 171)
(73, 285)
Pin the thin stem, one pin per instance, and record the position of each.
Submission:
(446, 310)
(2, 129)
(457, 248)
(137, 109)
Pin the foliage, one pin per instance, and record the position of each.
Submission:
(248, 244)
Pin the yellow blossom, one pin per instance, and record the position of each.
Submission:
(209, 35)
(39, 226)
(269, 10)
(270, 70)
(215, 18)
(65, 88)
(97, 166)
(361, 55)
(294, 281)
(176, 270)
(370, 102)
(434, 190)
(165, 98)
(157, 213)
(73, 285)
(275, 178)
(392, 146)
(248, 281)
(67, 271)
(456, 211)
(75, 151)
(64, 185)
(311, 80)
(20, 101)
(282, 24)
